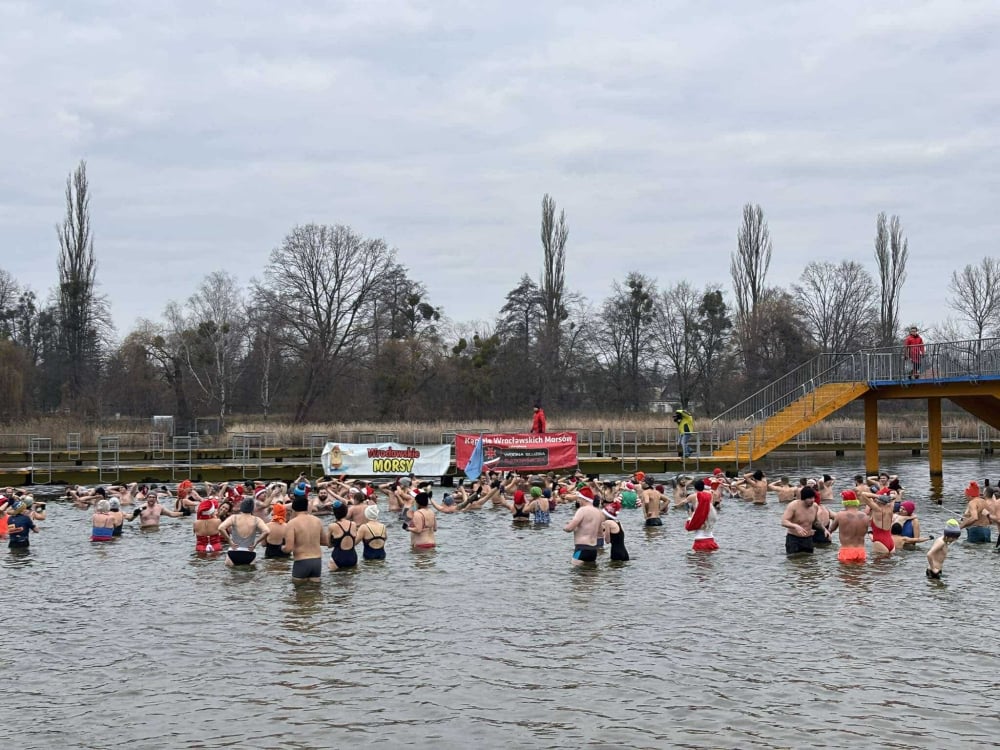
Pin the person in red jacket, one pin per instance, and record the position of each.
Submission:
(538, 423)
(914, 349)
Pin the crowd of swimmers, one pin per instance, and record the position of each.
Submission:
(287, 520)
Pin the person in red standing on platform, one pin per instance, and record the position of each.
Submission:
(538, 423)
(914, 348)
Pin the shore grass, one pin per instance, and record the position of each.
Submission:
(642, 427)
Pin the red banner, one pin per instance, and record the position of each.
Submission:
(510, 452)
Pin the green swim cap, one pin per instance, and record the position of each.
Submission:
(536, 491)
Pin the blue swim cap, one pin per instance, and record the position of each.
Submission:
(300, 489)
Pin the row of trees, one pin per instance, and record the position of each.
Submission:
(335, 327)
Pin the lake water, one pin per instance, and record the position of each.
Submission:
(494, 640)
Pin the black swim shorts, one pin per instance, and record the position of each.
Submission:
(585, 553)
(654, 521)
(241, 556)
(795, 545)
(309, 568)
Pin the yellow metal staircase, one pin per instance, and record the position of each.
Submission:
(764, 433)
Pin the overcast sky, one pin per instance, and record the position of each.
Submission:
(210, 129)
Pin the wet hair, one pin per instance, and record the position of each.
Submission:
(101, 491)
(422, 499)
(896, 528)
(808, 493)
(339, 510)
(859, 479)
(827, 478)
(894, 485)
(758, 475)
(246, 505)
(300, 503)
(699, 485)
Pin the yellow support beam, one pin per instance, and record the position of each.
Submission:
(871, 432)
(934, 436)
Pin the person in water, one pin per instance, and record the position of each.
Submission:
(342, 537)
(518, 507)
(653, 504)
(115, 511)
(102, 523)
(19, 525)
(422, 525)
(276, 532)
(540, 507)
(243, 533)
(305, 536)
(881, 506)
(702, 518)
(207, 540)
(611, 529)
(852, 524)
(801, 518)
(586, 526)
(976, 519)
(149, 515)
(939, 550)
(372, 535)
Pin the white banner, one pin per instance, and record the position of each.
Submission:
(357, 459)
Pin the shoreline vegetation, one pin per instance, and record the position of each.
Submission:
(649, 428)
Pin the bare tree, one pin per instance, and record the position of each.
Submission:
(211, 330)
(975, 295)
(265, 356)
(628, 316)
(554, 234)
(676, 331)
(838, 305)
(80, 320)
(319, 285)
(891, 253)
(748, 267)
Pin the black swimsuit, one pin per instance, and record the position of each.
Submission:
(618, 551)
(373, 553)
(344, 558)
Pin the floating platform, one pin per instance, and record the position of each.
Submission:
(285, 464)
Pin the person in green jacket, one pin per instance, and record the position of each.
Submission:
(685, 426)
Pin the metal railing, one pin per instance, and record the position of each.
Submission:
(41, 460)
(108, 457)
(970, 359)
(73, 445)
(967, 360)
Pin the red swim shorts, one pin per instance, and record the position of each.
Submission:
(852, 555)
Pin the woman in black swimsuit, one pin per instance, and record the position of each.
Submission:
(343, 538)
(372, 535)
(613, 532)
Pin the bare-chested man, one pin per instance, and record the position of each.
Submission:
(305, 536)
(586, 525)
(786, 492)
(993, 507)
(653, 504)
(976, 519)
(825, 488)
(801, 520)
(149, 516)
(852, 523)
(939, 550)
(758, 487)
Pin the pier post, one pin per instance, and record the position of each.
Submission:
(934, 436)
(871, 433)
